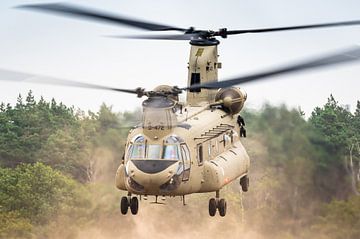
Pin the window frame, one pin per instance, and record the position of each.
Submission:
(185, 154)
(200, 154)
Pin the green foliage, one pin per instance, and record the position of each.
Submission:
(25, 128)
(334, 125)
(340, 219)
(12, 225)
(284, 180)
(284, 132)
(52, 133)
(303, 167)
(335, 130)
(38, 193)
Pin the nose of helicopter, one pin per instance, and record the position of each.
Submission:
(150, 175)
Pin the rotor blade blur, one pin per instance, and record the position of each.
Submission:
(16, 76)
(98, 16)
(323, 25)
(189, 36)
(347, 56)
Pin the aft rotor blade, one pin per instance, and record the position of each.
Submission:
(98, 16)
(347, 56)
(16, 76)
(187, 36)
(323, 25)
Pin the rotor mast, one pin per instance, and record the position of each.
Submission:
(202, 68)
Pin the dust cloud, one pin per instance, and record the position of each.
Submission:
(171, 220)
(249, 215)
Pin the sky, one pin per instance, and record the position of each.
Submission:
(79, 50)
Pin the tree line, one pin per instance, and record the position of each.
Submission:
(57, 164)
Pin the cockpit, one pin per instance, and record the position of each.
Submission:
(140, 149)
(173, 149)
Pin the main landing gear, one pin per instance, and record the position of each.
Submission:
(129, 202)
(217, 204)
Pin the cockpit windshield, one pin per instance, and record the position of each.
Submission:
(170, 149)
(153, 151)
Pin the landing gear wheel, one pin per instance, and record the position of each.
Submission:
(134, 205)
(212, 207)
(244, 182)
(124, 205)
(222, 207)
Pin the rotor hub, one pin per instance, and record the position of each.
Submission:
(205, 42)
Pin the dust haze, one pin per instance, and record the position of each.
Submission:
(171, 219)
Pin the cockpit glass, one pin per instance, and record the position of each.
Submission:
(170, 151)
(153, 151)
(172, 140)
(139, 140)
(138, 151)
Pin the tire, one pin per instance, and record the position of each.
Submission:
(222, 207)
(212, 207)
(124, 205)
(245, 182)
(134, 205)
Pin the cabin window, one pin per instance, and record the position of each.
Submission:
(209, 149)
(226, 139)
(195, 79)
(216, 146)
(200, 154)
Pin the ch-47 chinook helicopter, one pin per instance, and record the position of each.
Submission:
(188, 147)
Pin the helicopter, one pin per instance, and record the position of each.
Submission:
(181, 148)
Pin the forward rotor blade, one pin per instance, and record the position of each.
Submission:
(98, 16)
(323, 25)
(339, 58)
(188, 36)
(9, 75)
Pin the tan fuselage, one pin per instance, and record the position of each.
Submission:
(224, 159)
(210, 153)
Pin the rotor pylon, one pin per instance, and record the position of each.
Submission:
(203, 68)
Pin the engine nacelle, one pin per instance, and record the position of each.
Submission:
(233, 99)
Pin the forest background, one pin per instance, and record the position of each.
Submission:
(57, 168)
